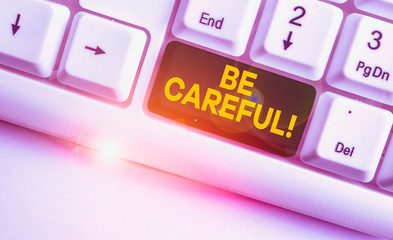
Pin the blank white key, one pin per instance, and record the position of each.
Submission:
(382, 8)
(338, 1)
(296, 36)
(102, 57)
(218, 24)
(362, 63)
(346, 137)
(385, 175)
(31, 32)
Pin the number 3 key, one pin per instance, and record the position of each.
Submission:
(362, 63)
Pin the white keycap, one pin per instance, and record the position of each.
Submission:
(296, 36)
(362, 63)
(218, 24)
(346, 137)
(382, 8)
(31, 32)
(338, 1)
(385, 174)
(102, 57)
(136, 12)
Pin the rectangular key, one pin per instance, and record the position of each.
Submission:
(296, 36)
(31, 33)
(362, 62)
(221, 25)
(338, 1)
(150, 14)
(382, 8)
(385, 175)
(347, 137)
(231, 99)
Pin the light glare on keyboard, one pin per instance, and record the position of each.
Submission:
(218, 91)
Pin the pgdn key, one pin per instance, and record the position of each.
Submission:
(372, 71)
(362, 63)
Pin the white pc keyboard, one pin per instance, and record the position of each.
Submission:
(285, 101)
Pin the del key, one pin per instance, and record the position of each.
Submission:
(350, 141)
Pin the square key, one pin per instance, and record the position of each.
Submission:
(385, 175)
(347, 137)
(102, 57)
(296, 36)
(382, 8)
(31, 33)
(222, 25)
(362, 63)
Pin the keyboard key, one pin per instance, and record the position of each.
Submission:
(231, 99)
(346, 137)
(136, 12)
(218, 24)
(31, 33)
(362, 62)
(102, 57)
(385, 175)
(338, 1)
(383, 8)
(296, 36)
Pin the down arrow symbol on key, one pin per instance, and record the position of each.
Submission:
(288, 43)
(15, 27)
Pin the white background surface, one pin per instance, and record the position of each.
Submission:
(50, 189)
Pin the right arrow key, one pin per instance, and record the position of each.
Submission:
(102, 57)
(97, 50)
